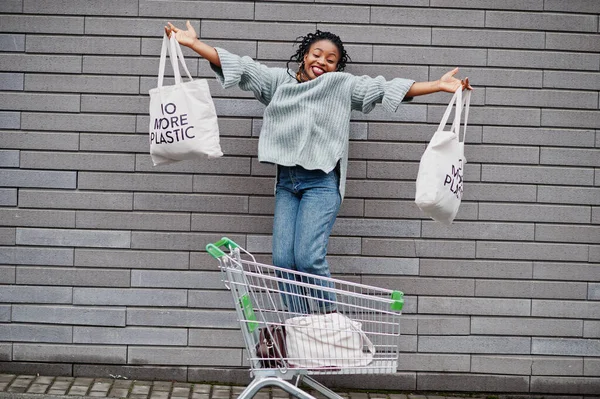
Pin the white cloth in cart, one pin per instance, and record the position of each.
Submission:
(327, 340)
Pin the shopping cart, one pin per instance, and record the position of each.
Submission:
(270, 301)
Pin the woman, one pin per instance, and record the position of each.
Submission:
(305, 133)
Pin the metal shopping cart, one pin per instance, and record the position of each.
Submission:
(296, 324)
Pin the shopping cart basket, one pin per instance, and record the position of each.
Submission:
(272, 303)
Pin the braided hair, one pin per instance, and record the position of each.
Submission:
(304, 43)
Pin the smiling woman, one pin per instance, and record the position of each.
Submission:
(322, 50)
(305, 132)
(322, 57)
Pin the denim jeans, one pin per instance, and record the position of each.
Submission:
(306, 205)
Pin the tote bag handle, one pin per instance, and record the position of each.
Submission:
(460, 103)
(175, 54)
(456, 99)
(466, 103)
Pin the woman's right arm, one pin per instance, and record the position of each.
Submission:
(189, 38)
(232, 70)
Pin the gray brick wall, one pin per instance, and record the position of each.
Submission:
(102, 269)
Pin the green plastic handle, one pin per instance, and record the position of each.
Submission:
(214, 250)
(398, 298)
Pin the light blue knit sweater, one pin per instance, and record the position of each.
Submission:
(308, 124)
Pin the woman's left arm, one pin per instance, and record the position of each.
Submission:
(446, 83)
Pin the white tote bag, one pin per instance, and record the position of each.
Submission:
(439, 185)
(328, 340)
(183, 120)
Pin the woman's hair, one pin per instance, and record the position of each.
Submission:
(306, 41)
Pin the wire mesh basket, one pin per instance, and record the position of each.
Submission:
(296, 324)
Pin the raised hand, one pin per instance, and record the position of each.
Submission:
(449, 83)
(184, 37)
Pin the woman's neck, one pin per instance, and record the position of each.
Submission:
(301, 76)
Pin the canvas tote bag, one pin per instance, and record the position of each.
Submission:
(439, 185)
(327, 340)
(183, 120)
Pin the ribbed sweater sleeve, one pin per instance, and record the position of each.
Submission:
(370, 91)
(248, 74)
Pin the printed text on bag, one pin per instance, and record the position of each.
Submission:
(172, 127)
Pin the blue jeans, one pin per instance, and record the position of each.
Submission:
(306, 205)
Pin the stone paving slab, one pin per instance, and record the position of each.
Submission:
(46, 387)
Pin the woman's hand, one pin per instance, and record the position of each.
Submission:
(446, 83)
(449, 83)
(189, 38)
(185, 37)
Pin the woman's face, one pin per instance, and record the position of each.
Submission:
(322, 57)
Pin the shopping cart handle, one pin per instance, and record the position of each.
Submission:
(398, 298)
(214, 250)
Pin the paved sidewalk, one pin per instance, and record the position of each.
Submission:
(39, 387)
